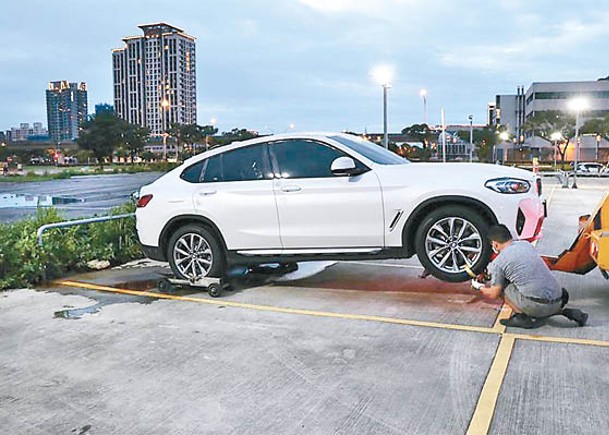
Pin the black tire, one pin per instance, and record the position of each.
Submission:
(196, 243)
(440, 260)
(214, 290)
(164, 286)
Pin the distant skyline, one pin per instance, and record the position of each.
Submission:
(266, 64)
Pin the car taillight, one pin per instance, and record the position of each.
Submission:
(143, 201)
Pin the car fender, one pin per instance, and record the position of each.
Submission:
(429, 204)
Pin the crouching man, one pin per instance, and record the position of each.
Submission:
(521, 277)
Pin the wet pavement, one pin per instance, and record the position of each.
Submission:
(334, 347)
(79, 196)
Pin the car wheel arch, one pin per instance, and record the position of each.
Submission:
(178, 221)
(419, 213)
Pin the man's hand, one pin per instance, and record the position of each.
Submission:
(477, 285)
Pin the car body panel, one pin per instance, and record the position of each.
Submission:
(316, 215)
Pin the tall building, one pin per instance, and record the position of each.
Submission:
(512, 111)
(509, 111)
(155, 78)
(556, 95)
(24, 132)
(66, 109)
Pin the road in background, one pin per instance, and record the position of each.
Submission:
(99, 193)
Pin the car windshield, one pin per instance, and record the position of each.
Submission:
(373, 152)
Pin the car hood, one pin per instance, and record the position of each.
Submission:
(452, 172)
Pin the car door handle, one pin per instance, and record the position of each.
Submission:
(291, 189)
(207, 192)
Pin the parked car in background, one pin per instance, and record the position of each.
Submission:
(590, 169)
(330, 196)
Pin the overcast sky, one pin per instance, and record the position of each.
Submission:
(265, 64)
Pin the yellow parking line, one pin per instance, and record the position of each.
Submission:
(485, 409)
(504, 313)
(563, 340)
(271, 308)
(483, 414)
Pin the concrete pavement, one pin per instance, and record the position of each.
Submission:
(331, 348)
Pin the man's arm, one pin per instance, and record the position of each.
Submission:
(492, 292)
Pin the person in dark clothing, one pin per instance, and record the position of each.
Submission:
(521, 277)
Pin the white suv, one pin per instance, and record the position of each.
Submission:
(318, 196)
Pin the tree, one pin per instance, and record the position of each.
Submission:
(423, 134)
(235, 135)
(546, 123)
(484, 139)
(135, 139)
(598, 126)
(101, 134)
(209, 131)
(177, 132)
(148, 156)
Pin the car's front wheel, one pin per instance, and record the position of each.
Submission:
(451, 238)
(194, 252)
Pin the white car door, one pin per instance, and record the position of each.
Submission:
(236, 193)
(320, 210)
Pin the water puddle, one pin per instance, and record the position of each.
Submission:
(25, 200)
(77, 313)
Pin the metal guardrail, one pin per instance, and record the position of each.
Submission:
(87, 221)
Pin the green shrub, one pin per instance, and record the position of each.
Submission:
(24, 263)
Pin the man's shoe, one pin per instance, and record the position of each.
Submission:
(520, 320)
(576, 315)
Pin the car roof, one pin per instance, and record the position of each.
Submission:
(319, 135)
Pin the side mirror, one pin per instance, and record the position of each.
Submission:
(343, 166)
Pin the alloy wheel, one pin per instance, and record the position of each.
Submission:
(453, 242)
(192, 255)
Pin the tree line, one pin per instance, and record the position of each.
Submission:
(105, 135)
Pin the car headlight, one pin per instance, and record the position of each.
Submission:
(508, 185)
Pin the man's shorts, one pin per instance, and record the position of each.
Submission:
(529, 307)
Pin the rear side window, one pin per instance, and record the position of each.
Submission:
(193, 173)
(243, 164)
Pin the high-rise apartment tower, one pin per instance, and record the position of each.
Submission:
(66, 109)
(155, 78)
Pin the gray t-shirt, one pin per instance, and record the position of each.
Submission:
(521, 265)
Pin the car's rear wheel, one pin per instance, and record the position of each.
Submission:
(451, 238)
(194, 252)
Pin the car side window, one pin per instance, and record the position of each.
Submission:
(243, 164)
(299, 158)
(193, 174)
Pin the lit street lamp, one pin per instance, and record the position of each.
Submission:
(556, 136)
(423, 94)
(504, 136)
(577, 105)
(383, 75)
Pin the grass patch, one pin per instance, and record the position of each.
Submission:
(23, 263)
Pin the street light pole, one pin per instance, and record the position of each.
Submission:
(383, 75)
(423, 94)
(471, 138)
(576, 149)
(443, 116)
(385, 134)
(577, 104)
